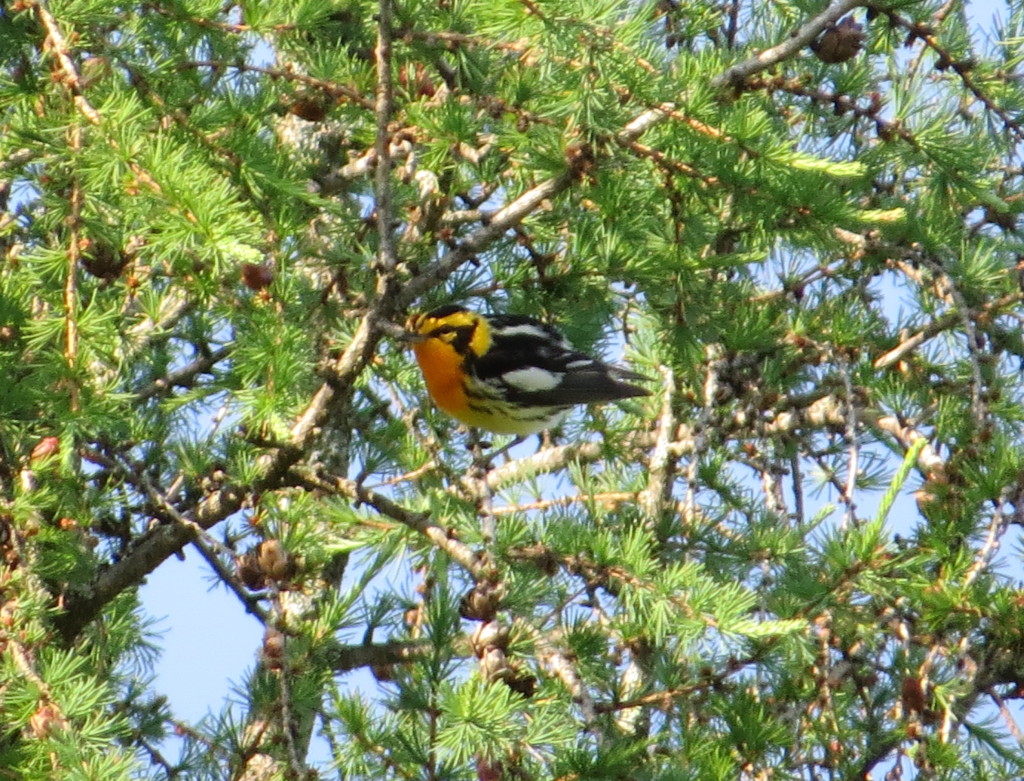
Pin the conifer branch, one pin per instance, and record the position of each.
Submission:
(942, 323)
(367, 161)
(768, 467)
(850, 433)
(1007, 716)
(345, 658)
(496, 225)
(655, 495)
(962, 310)
(545, 461)
(174, 305)
(736, 75)
(156, 757)
(667, 163)
(25, 667)
(61, 51)
(605, 499)
(213, 24)
(350, 94)
(961, 67)
(149, 552)
(230, 579)
(71, 274)
(998, 524)
(166, 540)
(714, 364)
(562, 667)
(839, 103)
(660, 699)
(458, 551)
(17, 159)
(288, 726)
(383, 108)
(512, 214)
(820, 409)
(185, 376)
(412, 476)
(912, 342)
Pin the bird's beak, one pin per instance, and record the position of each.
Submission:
(400, 333)
(411, 337)
(410, 334)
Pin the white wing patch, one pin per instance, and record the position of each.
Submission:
(524, 329)
(532, 379)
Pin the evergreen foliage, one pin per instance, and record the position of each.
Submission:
(797, 560)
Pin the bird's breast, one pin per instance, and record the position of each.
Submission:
(442, 371)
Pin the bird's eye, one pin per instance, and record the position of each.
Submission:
(444, 330)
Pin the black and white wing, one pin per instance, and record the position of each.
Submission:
(537, 366)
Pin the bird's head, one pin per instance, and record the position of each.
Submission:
(461, 330)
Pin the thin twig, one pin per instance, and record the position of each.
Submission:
(997, 527)
(943, 323)
(174, 305)
(71, 279)
(408, 477)
(607, 498)
(771, 482)
(655, 495)
(249, 601)
(184, 376)
(564, 669)
(209, 548)
(287, 74)
(1006, 713)
(830, 476)
(850, 516)
(298, 768)
(546, 461)
(798, 489)
(420, 522)
(929, 462)
(158, 758)
(962, 67)
(475, 483)
(499, 222)
(345, 658)
(155, 547)
(715, 361)
(732, 25)
(382, 112)
(963, 313)
(69, 74)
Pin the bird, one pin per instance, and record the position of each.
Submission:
(509, 374)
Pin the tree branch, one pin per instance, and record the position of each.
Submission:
(69, 74)
(498, 222)
(458, 551)
(184, 376)
(344, 658)
(165, 540)
(736, 75)
(382, 111)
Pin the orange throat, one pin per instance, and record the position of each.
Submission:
(441, 367)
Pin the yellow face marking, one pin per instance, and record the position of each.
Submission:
(438, 354)
(452, 328)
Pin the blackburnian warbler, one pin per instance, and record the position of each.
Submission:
(509, 374)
